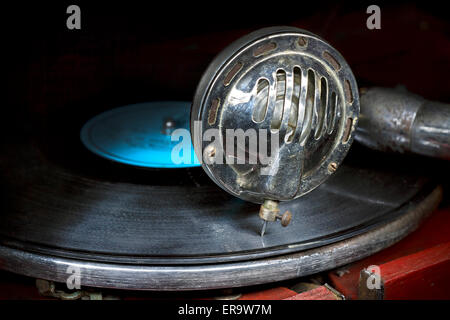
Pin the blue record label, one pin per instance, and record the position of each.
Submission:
(152, 134)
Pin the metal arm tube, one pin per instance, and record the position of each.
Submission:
(397, 121)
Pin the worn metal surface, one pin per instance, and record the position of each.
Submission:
(366, 293)
(285, 84)
(222, 275)
(399, 121)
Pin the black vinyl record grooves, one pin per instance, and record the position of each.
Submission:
(61, 200)
(174, 229)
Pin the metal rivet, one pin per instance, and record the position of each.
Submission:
(332, 167)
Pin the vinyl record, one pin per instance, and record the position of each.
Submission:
(61, 205)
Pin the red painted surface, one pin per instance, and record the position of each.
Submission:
(423, 275)
(412, 253)
(320, 293)
(279, 293)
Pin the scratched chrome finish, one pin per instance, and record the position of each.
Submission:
(292, 84)
(398, 121)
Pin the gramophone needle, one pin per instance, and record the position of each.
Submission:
(263, 229)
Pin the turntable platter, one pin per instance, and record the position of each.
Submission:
(173, 229)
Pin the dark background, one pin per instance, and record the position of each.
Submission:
(130, 52)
